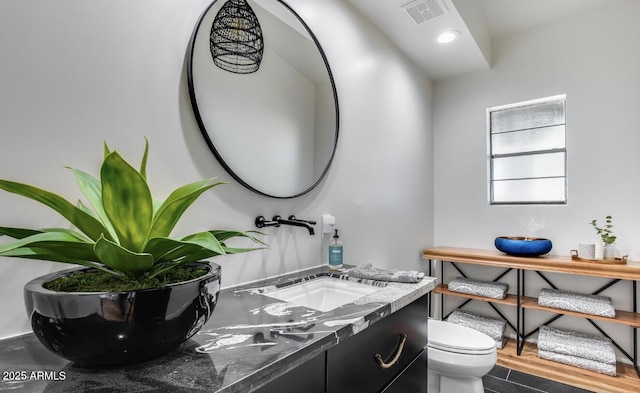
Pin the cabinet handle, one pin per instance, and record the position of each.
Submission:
(396, 356)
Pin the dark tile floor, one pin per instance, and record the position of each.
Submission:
(505, 380)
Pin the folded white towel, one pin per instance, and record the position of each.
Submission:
(494, 290)
(587, 364)
(586, 346)
(492, 327)
(367, 271)
(588, 304)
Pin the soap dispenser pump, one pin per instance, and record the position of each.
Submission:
(335, 252)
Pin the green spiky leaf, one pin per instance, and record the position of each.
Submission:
(120, 259)
(143, 164)
(76, 216)
(127, 201)
(18, 233)
(172, 209)
(46, 255)
(64, 243)
(92, 190)
(165, 249)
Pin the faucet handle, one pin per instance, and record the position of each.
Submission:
(262, 222)
(293, 218)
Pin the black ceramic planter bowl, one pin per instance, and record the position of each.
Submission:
(523, 246)
(108, 329)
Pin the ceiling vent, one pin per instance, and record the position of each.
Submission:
(423, 10)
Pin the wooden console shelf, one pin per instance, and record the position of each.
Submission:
(525, 358)
(547, 263)
(626, 380)
(442, 289)
(622, 317)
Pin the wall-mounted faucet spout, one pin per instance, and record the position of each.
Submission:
(296, 222)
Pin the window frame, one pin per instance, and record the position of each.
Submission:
(491, 156)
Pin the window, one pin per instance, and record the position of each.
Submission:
(527, 152)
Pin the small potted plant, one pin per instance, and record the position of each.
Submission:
(140, 293)
(607, 236)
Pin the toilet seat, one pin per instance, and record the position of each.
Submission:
(451, 337)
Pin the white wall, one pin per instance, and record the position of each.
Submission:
(75, 73)
(594, 59)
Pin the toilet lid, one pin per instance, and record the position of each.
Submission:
(452, 337)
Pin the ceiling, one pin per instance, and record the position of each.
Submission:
(478, 21)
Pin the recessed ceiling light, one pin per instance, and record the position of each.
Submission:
(448, 36)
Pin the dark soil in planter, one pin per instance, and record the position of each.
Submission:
(93, 280)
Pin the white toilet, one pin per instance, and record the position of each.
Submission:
(458, 358)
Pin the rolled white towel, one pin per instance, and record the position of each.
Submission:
(583, 345)
(492, 327)
(587, 364)
(367, 271)
(494, 290)
(588, 304)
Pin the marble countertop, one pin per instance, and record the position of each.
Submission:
(249, 340)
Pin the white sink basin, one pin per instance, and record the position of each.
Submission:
(323, 294)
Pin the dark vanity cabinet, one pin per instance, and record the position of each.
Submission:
(413, 378)
(351, 366)
(308, 377)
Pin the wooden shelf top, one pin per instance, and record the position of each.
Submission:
(548, 263)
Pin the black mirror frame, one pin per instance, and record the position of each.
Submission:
(203, 129)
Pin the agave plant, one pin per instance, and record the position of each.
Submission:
(126, 234)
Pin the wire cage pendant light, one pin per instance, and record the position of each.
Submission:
(236, 41)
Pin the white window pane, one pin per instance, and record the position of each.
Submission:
(530, 116)
(530, 190)
(535, 165)
(528, 152)
(528, 140)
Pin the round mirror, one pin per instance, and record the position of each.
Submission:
(274, 128)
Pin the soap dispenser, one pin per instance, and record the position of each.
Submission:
(335, 252)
